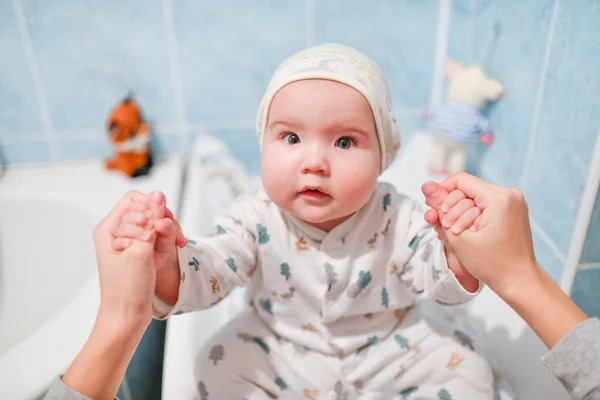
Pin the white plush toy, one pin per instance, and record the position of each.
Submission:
(458, 123)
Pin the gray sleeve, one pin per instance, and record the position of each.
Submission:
(575, 360)
(60, 391)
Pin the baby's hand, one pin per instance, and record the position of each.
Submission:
(458, 213)
(454, 212)
(145, 217)
(461, 213)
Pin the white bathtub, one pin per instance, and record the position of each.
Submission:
(49, 290)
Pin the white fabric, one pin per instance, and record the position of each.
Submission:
(314, 287)
(247, 360)
(346, 65)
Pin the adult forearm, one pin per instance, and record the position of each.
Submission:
(100, 366)
(543, 305)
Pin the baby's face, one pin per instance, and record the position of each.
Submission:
(321, 156)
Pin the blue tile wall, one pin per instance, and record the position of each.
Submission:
(515, 58)
(243, 145)
(591, 249)
(547, 258)
(166, 143)
(98, 55)
(85, 149)
(19, 112)
(26, 153)
(91, 53)
(564, 119)
(229, 49)
(569, 121)
(586, 289)
(398, 34)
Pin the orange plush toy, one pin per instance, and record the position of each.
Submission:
(130, 138)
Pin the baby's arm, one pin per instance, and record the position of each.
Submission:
(431, 267)
(208, 268)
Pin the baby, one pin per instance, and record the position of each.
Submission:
(332, 260)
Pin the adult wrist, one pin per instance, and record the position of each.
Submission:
(122, 321)
(517, 289)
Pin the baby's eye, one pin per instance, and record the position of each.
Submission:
(345, 142)
(291, 138)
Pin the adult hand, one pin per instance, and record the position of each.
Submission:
(127, 278)
(498, 249)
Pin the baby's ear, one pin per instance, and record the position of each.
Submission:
(453, 69)
(494, 90)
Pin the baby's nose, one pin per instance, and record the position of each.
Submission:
(316, 162)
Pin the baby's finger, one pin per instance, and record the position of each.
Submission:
(133, 231)
(452, 199)
(137, 217)
(167, 230)
(431, 216)
(140, 206)
(466, 220)
(456, 211)
(157, 204)
(120, 244)
(439, 230)
(180, 240)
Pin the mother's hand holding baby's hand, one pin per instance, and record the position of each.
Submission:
(498, 249)
(127, 278)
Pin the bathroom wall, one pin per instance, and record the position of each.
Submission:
(194, 66)
(586, 287)
(547, 55)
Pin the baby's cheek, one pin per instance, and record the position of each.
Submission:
(358, 182)
(276, 177)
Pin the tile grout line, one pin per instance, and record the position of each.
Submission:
(583, 219)
(533, 131)
(535, 227)
(174, 128)
(590, 265)
(470, 40)
(310, 23)
(36, 80)
(441, 48)
(175, 71)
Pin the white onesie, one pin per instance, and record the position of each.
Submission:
(331, 294)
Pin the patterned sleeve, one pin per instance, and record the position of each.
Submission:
(210, 267)
(426, 268)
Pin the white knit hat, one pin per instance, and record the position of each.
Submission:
(343, 64)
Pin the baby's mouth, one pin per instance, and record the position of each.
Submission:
(314, 193)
